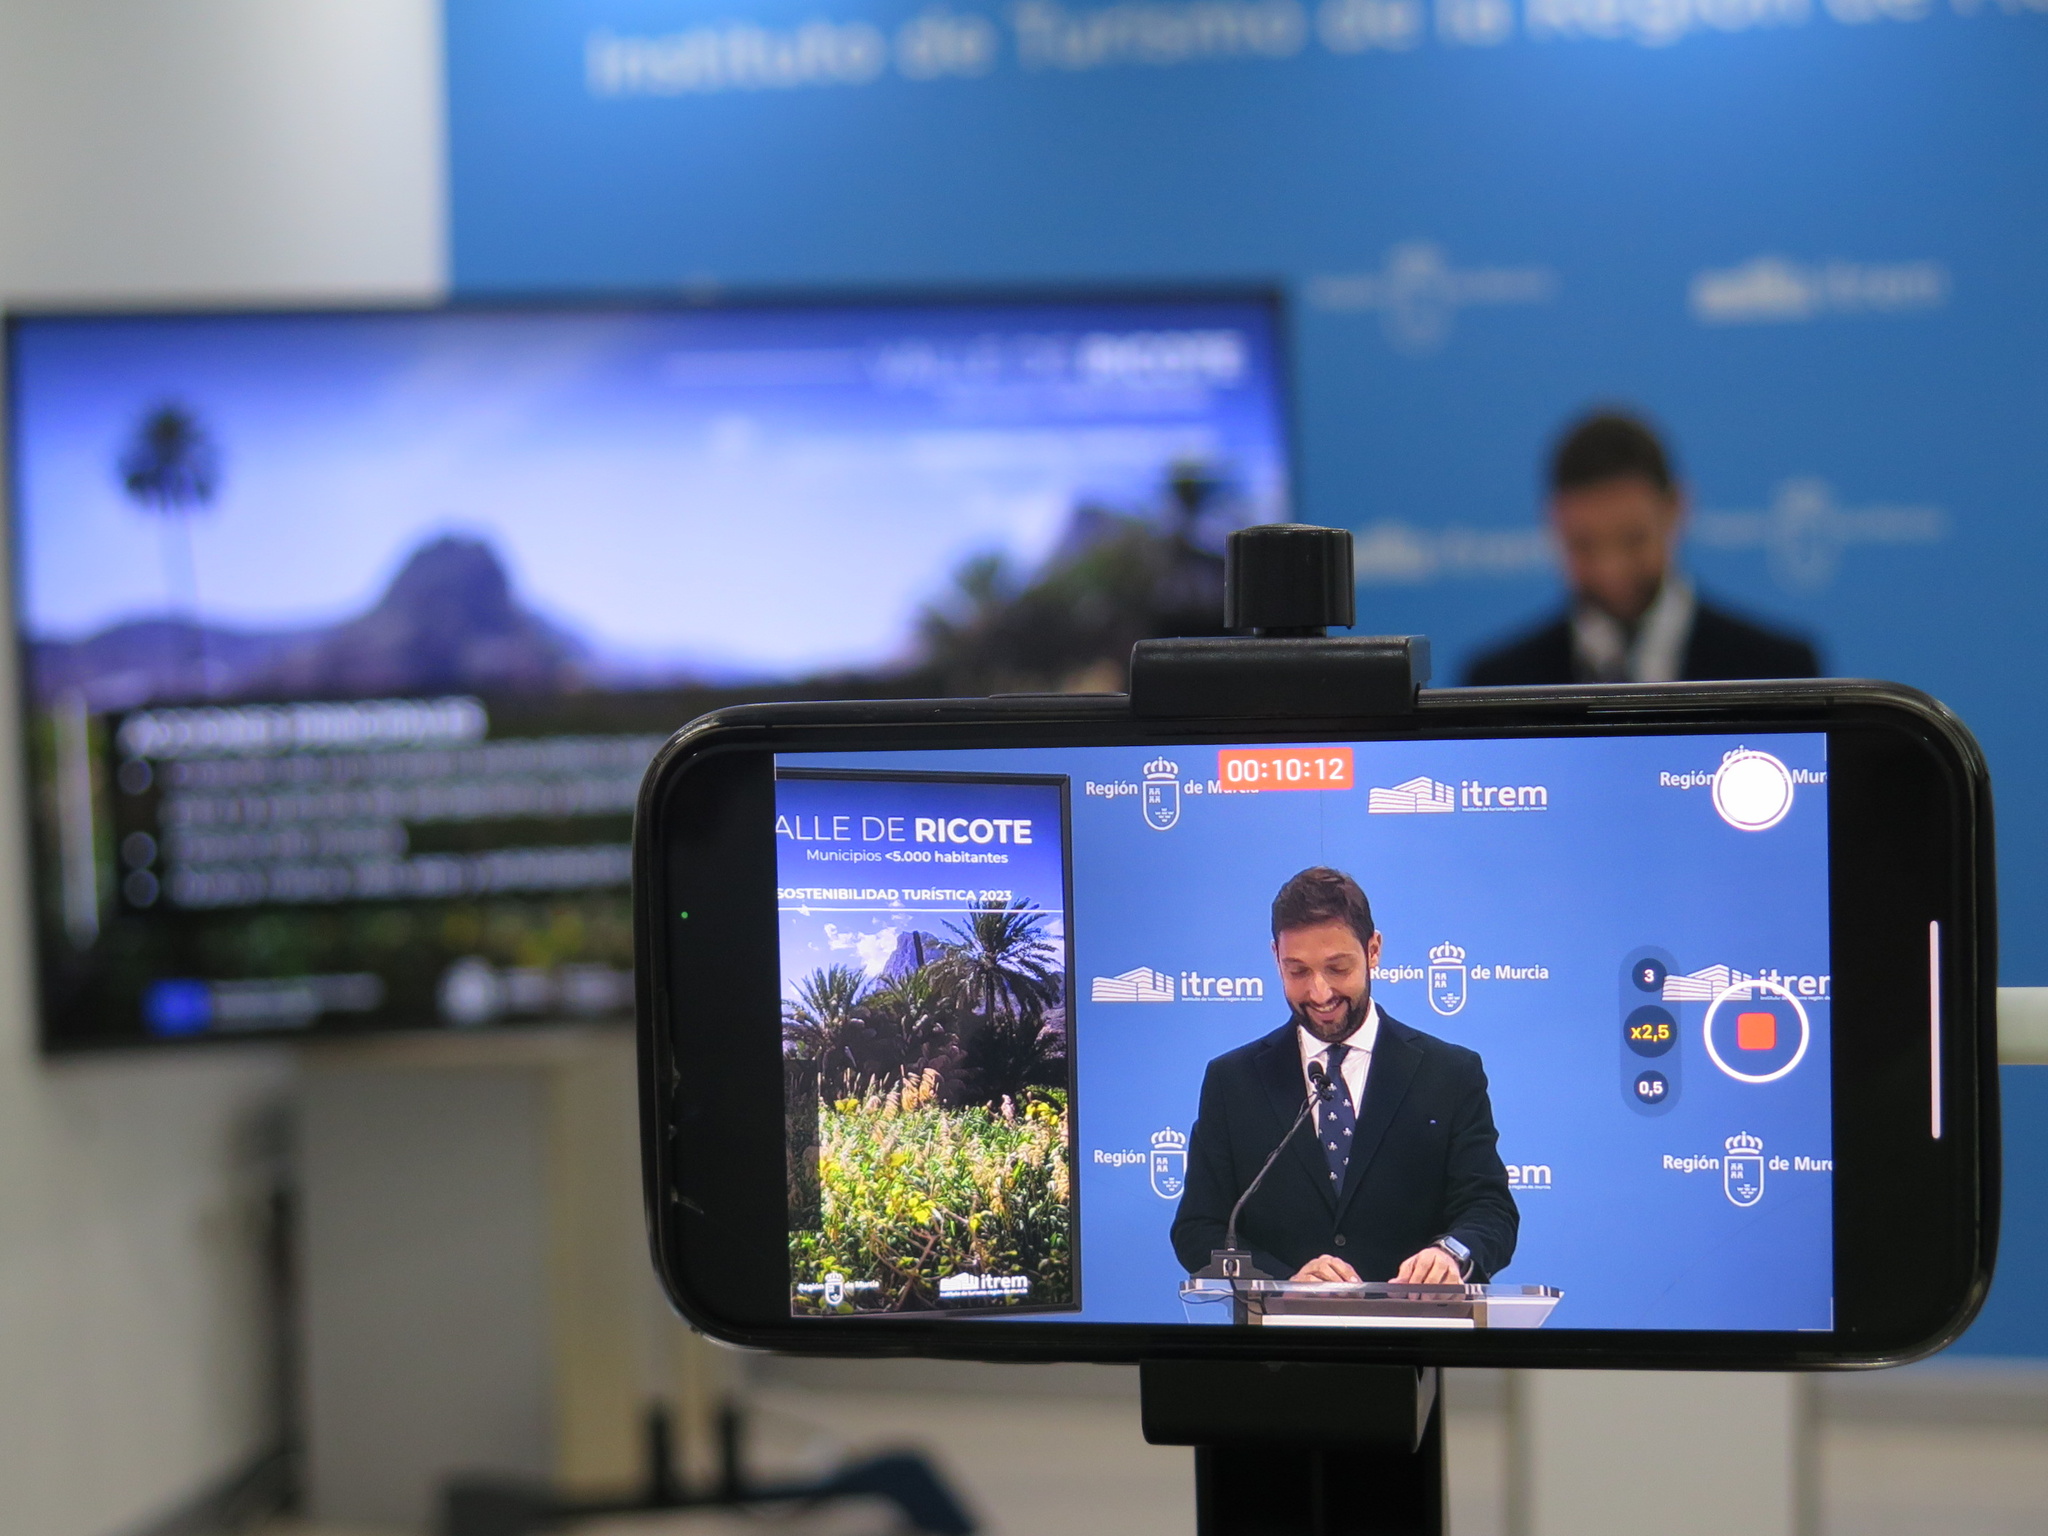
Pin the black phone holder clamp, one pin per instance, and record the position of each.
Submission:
(1287, 584)
(1293, 1448)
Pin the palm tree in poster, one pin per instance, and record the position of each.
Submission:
(914, 1021)
(1004, 966)
(826, 1022)
(171, 470)
(1013, 1054)
(1001, 961)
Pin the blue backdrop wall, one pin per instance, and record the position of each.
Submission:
(1809, 236)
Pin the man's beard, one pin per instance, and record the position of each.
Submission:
(1347, 1026)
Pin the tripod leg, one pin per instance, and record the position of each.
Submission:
(732, 1475)
(1330, 1490)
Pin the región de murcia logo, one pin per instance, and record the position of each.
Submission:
(1169, 1163)
(1160, 798)
(1742, 1170)
(1447, 979)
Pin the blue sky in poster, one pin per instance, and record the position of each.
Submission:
(1545, 910)
(857, 873)
(766, 490)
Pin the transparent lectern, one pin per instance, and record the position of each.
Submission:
(1372, 1304)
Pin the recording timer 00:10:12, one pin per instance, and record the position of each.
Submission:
(1244, 770)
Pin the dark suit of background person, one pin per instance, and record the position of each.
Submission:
(1618, 512)
(1424, 1164)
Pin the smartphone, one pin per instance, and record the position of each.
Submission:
(1500, 1032)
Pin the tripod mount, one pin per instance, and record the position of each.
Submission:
(1293, 1448)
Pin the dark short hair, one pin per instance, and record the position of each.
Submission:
(1609, 445)
(1323, 895)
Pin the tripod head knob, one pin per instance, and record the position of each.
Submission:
(1288, 579)
(1285, 582)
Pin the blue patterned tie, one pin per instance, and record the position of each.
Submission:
(1335, 1121)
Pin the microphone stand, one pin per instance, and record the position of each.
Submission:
(1231, 1262)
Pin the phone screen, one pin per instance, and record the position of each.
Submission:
(1537, 1013)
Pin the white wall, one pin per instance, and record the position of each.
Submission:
(220, 148)
(170, 150)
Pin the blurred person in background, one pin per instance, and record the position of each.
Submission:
(1618, 512)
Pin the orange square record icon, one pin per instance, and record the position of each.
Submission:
(1756, 1031)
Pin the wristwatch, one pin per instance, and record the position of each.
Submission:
(1458, 1251)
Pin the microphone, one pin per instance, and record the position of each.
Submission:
(1231, 1262)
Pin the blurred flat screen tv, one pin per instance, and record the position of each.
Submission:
(345, 636)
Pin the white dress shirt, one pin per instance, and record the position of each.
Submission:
(1655, 654)
(1357, 1059)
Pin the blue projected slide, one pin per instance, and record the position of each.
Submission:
(1614, 951)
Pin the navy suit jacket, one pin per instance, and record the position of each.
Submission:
(1423, 1166)
(1720, 646)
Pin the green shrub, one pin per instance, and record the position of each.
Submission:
(913, 1192)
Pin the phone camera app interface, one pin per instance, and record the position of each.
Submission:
(1460, 1034)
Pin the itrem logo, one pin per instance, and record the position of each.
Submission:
(1424, 796)
(1197, 988)
(1145, 985)
(1418, 797)
(1475, 796)
(1712, 981)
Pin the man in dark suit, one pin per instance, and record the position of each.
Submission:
(1396, 1176)
(1618, 512)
